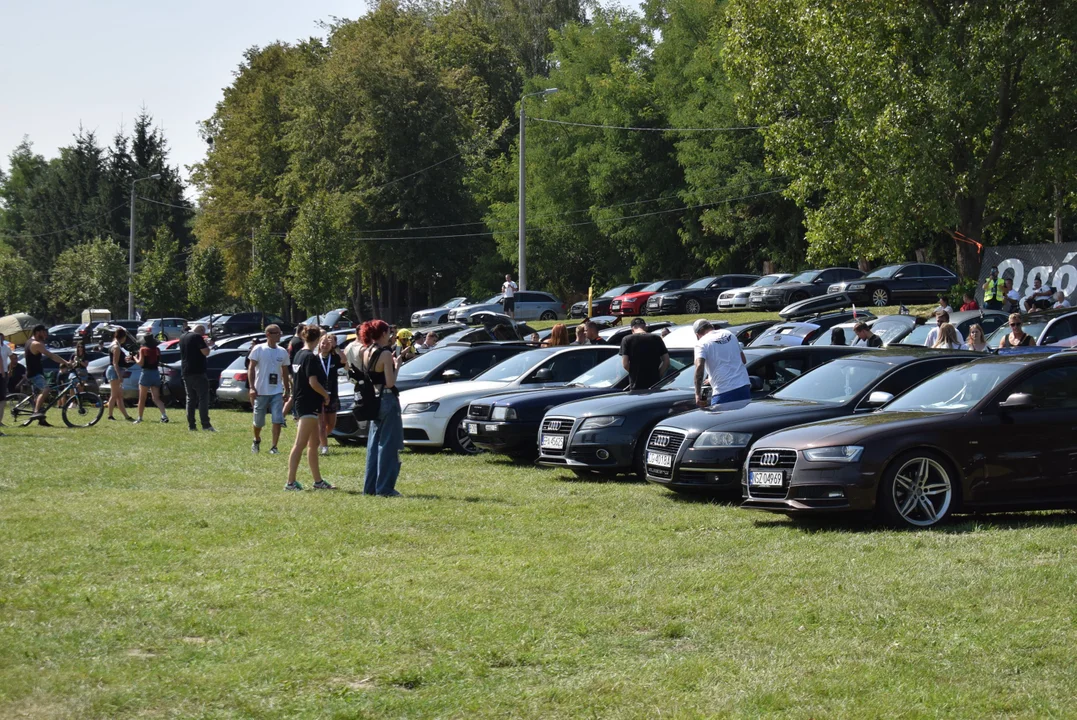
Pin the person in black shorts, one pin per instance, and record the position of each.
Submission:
(332, 359)
(311, 395)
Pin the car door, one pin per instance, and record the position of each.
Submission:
(1061, 329)
(908, 376)
(565, 366)
(906, 285)
(936, 281)
(1032, 453)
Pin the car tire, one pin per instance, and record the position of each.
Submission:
(692, 306)
(880, 297)
(797, 297)
(456, 437)
(548, 315)
(443, 319)
(919, 490)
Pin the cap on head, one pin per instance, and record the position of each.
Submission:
(638, 322)
(701, 326)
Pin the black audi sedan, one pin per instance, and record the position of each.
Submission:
(704, 450)
(904, 282)
(995, 434)
(804, 332)
(601, 304)
(605, 434)
(810, 283)
(697, 295)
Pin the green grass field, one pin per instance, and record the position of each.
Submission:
(146, 571)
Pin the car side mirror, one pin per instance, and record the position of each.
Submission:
(450, 375)
(544, 375)
(1018, 401)
(756, 382)
(878, 399)
(898, 276)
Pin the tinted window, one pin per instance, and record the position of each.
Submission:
(914, 374)
(426, 363)
(566, 366)
(606, 374)
(1060, 330)
(884, 272)
(514, 367)
(701, 283)
(957, 389)
(473, 363)
(779, 372)
(934, 271)
(913, 271)
(619, 290)
(1052, 389)
(833, 383)
(849, 274)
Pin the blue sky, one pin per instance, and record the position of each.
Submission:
(97, 62)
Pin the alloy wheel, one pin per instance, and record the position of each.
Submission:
(922, 492)
(880, 298)
(548, 315)
(692, 307)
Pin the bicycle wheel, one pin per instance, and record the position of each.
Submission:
(83, 410)
(21, 409)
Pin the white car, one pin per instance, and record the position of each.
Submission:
(438, 315)
(737, 298)
(433, 416)
(162, 328)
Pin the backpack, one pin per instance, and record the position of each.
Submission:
(367, 401)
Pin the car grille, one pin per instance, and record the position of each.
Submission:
(666, 441)
(557, 426)
(615, 305)
(772, 459)
(478, 412)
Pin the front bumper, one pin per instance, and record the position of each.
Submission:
(813, 487)
(504, 437)
(608, 450)
(661, 306)
(702, 470)
(628, 309)
(732, 303)
(422, 320)
(348, 428)
(424, 429)
(234, 393)
(767, 302)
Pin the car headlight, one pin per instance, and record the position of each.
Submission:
(837, 453)
(856, 286)
(503, 413)
(602, 421)
(722, 439)
(416, 408)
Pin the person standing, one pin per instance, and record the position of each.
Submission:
(269, 377)
(114, 374)
(509, 289)
(590, 327)
(947, 339)
(1016, 337)
(5, 363)
(933, 335)
(994, 292)
(976, 341)
(643, 356)
(149, 382)
(581, 335)
(294, 346)
(311, 397)
(35, 370)
(385, 438)
(968, 303)
(866, 336)
(332, 360)
(719, 354)
(193, 352)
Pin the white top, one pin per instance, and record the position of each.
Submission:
(720, 352)
(5, 353)
(272, 363)
(1044, 290)
(1063, 304)
(948, 310)
(933, 336)
(509, 288)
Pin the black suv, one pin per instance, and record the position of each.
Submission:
(904, 283)
(810, 283)
(247, 322)
(692, 298)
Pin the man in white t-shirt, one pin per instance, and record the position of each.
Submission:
(718, 353)
(941, 319)
(1040, 296)
(509, 288)
(269, 378)
(5, 365)
(1060, 300)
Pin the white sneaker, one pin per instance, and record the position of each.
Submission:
(325, 450)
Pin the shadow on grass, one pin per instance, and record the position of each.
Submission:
(702, 498)
(601, 478)
(433, 496)
(953, 525)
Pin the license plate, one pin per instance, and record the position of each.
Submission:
(226, 383)
(660, 459)
(472, 428)
(491, 428)
(553, 442)
(766, 479)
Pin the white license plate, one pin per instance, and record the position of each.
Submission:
(226, 383)
(766, 479)
(660, 459)
(472, 428)
(491, 428)
(553, 442)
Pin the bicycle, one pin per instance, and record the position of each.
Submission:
(78, 407)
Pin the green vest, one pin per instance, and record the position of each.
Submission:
(993, 291)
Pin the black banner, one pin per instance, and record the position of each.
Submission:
(1054, 263)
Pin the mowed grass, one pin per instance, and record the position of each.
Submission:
(146, 571)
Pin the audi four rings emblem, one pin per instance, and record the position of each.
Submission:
(661, 440)
(769, 458)
(554, 425)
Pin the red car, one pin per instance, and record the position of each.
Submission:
(636, 303)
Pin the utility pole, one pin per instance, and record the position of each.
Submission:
(523, 187)
(131, 250)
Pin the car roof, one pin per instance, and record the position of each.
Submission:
(899, 355)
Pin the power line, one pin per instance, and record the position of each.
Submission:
(644, 129)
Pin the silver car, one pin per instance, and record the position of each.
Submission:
(737, 298)
(162, 328)
(530, 305)
(437, 315)
(233, 387)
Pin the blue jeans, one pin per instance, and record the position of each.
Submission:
(744, 392)
(384, 442)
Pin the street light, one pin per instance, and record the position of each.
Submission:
(523, 188)
(131, 249)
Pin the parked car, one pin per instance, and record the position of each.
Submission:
(737, 298)
(995, 434)
(1049, 327)
(601, 304)
(912, 282)
(85, 332)
(704, 450)
(803, 333)
(233, 387)
(695, 297)
(434, 416)
(216, 362)
(339, 319)
(989, 320)
(438, 315)
(635, 303)
(606, 434)
(61, 336)
(489, 326)
(104, 332)
(810, 283)
(530, 305)
(162, 328)
(245, 323)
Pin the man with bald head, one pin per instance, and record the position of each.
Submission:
(193, 352)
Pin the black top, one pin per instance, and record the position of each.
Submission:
(874, 341)
(644, 352)
(294, 346)
(306, 365)
(1006, 341)
(377, 377)
(333, 379)
(192, 361)
(33, 364)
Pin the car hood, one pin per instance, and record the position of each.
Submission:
(476, 306)
(623, 403)
(857, 428)
(783, 287)
(430, 311)
(544, 398)
(437, 393)
(747, 289)
(635, 295)
(756, 413)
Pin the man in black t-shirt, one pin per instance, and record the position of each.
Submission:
(193, 352)
(644, 356)
(866, 336)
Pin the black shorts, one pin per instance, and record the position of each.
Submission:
(510, 304)
(3, 389)
(333, 406)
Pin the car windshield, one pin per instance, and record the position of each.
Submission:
(493, 299)
(956, 389)
(619, 290)
(805, 277)
(654, 287)
(426, 363)
(1031, 326)
(883, 272)
(606, 374)
(919, 334)
(833, 383)
(889, 331)
(514, 367)
(454, 302)
(683, 380)
(700, 284)
(766, 280)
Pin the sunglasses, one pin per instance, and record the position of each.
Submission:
(1015, 324)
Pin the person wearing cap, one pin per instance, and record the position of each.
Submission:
(718, 354)
(400, 348)
(643, 356)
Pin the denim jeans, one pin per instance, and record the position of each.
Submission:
(384, 442)
(197, 387)
(744, 392)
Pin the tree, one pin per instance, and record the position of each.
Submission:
(159, 285)
(897, 121)
(90, 275)
(20, 285)
(265, 281)
(317, 274)
(205, 278)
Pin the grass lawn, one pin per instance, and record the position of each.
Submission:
(147, 571)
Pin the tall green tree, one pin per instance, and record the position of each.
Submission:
(159, 285)
(899, 120)
(317, 273)
(205, 279)
(20, 286)
(269, 263)
(90, 275)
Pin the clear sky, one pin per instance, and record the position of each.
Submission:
(97, 62)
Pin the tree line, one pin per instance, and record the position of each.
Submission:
(377, 167)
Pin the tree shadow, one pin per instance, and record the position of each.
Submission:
(704, 498)
(953, 525)
(404, 496)
(597, 478)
